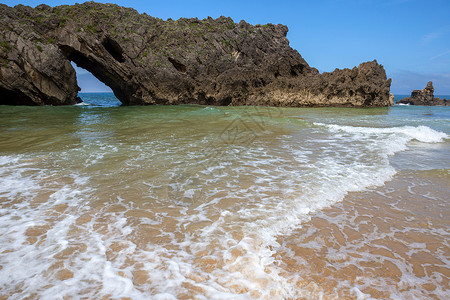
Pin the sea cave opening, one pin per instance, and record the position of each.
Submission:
(94, 91)
(93, 77)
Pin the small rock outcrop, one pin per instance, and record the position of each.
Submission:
(146, 60)
(424, 97)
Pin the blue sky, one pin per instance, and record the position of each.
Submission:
(411, 38)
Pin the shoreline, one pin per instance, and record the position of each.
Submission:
(385, 242)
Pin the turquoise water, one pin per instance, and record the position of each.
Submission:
(169, 202)
(100, 99)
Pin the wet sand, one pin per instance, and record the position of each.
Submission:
(389, 242)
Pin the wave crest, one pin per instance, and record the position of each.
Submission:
(422, 134)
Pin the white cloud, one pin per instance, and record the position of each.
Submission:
(430, 37)
(440, 55)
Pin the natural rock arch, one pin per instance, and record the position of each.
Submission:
(103, 71)
(146, 60)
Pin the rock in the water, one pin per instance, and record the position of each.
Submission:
(441, 102)
(146, 60)
(424, 97)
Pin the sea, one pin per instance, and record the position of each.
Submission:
(103, 201)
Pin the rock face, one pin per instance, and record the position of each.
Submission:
(146, 60)
(424, 97)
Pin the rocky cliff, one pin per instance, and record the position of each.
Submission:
(424, 97)
(146, 60)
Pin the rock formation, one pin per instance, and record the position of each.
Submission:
(424, 97)
(146, 60)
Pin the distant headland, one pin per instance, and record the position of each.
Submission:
(146, 60)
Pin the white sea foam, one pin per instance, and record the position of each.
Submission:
(420, 133)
